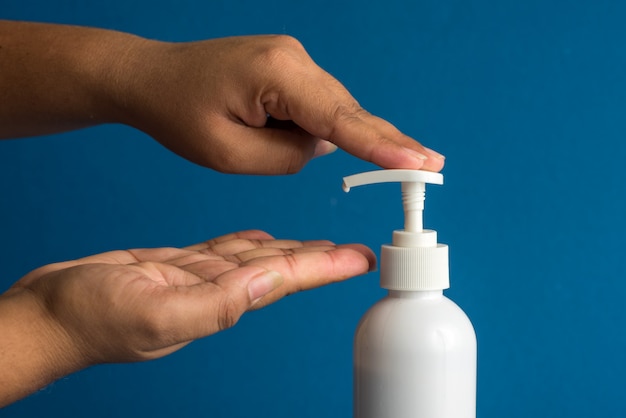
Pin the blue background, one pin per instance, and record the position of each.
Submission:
(525, 98)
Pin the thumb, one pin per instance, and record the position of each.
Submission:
(262, 284)
(210, 307)
(240, 289)
(267, 150)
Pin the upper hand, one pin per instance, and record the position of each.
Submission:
(209, 102)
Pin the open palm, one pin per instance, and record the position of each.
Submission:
(145, 303)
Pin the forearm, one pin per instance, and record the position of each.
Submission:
(55, 78)
(34, 350)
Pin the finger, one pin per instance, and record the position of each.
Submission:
(308, 270)
(247, 256)
(375, 140)
(228, 255)
(434, 161)
(240, 245)
(322, 147)
(266, 150)
(209, 269)
(170, 255)
(338, 118)
(174, 256)
(250, 234)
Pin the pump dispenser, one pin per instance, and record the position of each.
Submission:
(415, 350)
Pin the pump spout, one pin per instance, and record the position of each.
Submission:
(413, 190)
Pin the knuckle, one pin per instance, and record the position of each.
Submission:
(343, 115)
(288, 41)
(349, 112)
(228, 313)
(281, 50)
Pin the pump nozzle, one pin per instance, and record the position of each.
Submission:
(413, 188)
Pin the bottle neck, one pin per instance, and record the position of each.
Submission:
(416, 294)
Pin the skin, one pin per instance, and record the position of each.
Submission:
(142, 304)
(254, 105)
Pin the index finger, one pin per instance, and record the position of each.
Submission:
(323, 107)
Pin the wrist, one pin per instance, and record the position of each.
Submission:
(111, 63)
(35, 349)
(130, 80)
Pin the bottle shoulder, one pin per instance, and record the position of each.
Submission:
(436, 307)
(402, 320)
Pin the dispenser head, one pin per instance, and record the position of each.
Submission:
(413, 190)
(414, 261)
(390, 176)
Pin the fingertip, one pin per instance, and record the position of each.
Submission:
(254, 234)
(435, 161)
(427, 159)
(390, 155)
(418, 157)
(434, 154)
(365, 252)
(434, 164)
(324, 148)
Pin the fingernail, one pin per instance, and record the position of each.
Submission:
(264, 284)
(324, 148)
(435, 153)
(415, 154)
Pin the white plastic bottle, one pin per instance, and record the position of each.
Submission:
(415, 350)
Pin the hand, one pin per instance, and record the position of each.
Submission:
(209, 102)
(142, 304)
